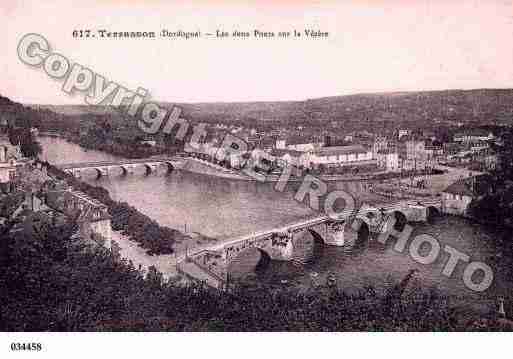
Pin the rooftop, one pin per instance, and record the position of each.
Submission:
(281, 152)
(299, 140)
(340, 150)
(387, 151)
(474, 132)
(471, 186)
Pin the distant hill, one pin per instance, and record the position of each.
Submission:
(484, 106)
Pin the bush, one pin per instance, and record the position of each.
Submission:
(140, 228)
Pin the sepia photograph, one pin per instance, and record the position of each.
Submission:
(300, 174)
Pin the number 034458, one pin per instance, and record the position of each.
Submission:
(26, 346)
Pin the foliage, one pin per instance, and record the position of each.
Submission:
(149, 234)
(10, 202)
(497, 207)
(28, 144)
(50, 282)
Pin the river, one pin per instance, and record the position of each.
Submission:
(224, 208)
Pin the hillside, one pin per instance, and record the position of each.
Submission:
(485, 106)
(410, 108)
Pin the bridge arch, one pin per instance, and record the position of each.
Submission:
(357, 232)
(247, 261)
(148, 168)
(400, 220)
(125, 170)
(170, 167)
(99, 173)
(432, 213)
(307, 246)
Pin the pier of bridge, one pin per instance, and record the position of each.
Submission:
(127, 166)
(301, 242)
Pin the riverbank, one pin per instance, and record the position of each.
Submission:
(125, 149)
(200, 166)
(226, 209)
(152, 237)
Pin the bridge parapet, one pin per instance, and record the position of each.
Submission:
(128, 169)
(127, 166)
(297, 242)
(277, 245)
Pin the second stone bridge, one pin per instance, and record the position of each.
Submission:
(300, 242)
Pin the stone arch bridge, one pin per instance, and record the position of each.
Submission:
(127, 166)
(300, 241)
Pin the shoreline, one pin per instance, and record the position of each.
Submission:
(216, 171)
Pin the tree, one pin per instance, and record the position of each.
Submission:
(30, 147)
(23, 137)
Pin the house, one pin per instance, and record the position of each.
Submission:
(380, 144)
(487, 158)
(452, 148)
(299, 143)
(403, 133)
(430, 135)
(473, 136)
(291, 157)
(415, 149)
(91, 215)
(477, 146)
(7, 166)
(491, 160)
(338, 156)
(11, 160)
(457, 198)
(149, 142)
(433, 151)
(388, 160)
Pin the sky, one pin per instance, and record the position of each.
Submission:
(373, 46)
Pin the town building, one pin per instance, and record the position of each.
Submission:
(403, 133)
(7, 166)
(473, 136)
(290, 157)
(380, 144)
(388, 160)
(452, 148)
(91, 215)
(339, 156)
(430, 135)
(11, 160)
(415, 149)
(478, 146)
(299, 143)
(457, 198)
(433, 151)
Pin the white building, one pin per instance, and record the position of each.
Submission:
(10, 160)
(7, 167)
(380, 144)
(284, 157)
(338, 156)
(298, 144)
(91, 215)
(388, 160)
(457, 198)
(416, 149)
(473, 136)
(403, 133)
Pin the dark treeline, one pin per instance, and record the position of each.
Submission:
(52, 283)
(105, 129)
(497, 206)
(20, 119)
(148, 233)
